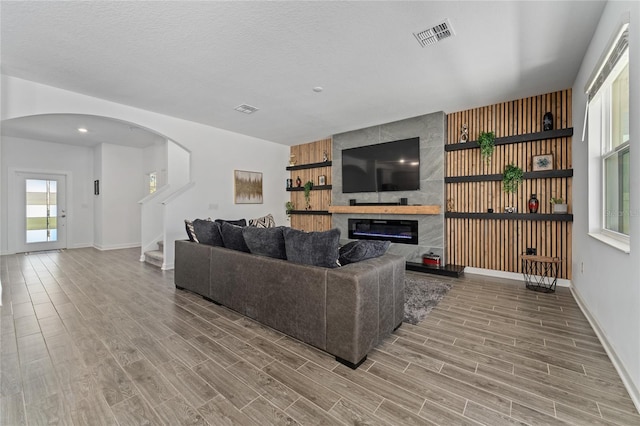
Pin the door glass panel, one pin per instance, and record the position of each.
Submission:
(42, 210)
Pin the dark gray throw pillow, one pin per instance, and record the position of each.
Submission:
(232, 237)
(265, 241)
(207, 232)
(312, 248)
(239, 222)
(359, 250)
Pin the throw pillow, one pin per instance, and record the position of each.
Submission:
(263, 222)
(312, 248)
(239, 222)
(232, 237)
(265, 241)
(208, 232)
(191, 233)
(359, 250)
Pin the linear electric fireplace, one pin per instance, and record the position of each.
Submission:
(396, 231)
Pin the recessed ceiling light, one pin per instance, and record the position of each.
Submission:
(247, 109)
(82, 130)
(318, 89)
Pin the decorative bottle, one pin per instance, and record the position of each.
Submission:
(298, 182)
(533, 204)
(547, 122)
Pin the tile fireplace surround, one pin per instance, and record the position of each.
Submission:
(431, 129)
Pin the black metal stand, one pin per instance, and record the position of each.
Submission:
(540, 272)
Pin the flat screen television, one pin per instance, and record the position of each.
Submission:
(389, 166)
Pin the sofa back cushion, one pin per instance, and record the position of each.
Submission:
(232, 237)
(360, 250)
(265, 241)
(312, 248)
(238, 222)
(207, 232)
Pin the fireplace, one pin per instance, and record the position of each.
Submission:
(396, 231)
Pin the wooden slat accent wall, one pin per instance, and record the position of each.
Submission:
(309, 153)
(498, 244)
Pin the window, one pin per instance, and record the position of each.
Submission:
(609, 141)
(153, 182)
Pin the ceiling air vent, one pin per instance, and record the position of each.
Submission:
(247, 109)
(435, 34)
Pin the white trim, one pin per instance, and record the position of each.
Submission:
(116, 246)
(623, 246)
(634, 393)
(509, 275)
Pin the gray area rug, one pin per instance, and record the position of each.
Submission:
(421, 294)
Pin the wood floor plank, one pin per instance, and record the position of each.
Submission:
(307, 413)
(150, 382)
(12, 410)
(263, 413)
(135, 411)
(177, 411)
(189, 384)
(272, 390)
(225, 383)
(351, 413)
(219, 411)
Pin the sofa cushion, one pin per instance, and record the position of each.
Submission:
(238, 222)
(265, 241)
(312, 248)
(232, 237)
(191, 233)
(208, 232)
(359, 250)
(263, 222)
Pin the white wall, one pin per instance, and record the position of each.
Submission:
(122, 185)
(215, 152)
(34, 155)
(606, 280)
(154, 159)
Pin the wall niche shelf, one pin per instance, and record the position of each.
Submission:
(315, 188)
(385, 209)
(310, 212)
(498, 177)
(511, 216)
(527, 137)
(309, 166)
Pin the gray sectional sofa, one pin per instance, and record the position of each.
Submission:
(344, 311)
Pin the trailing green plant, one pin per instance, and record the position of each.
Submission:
(486, 141)
(307, 191)
(555, 200)
(289, 207)
(511, 178)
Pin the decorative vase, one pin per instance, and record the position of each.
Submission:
(533, 204)
(289, 183)
(547, 122)
(298, 182)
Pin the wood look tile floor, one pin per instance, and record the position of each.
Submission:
(91, 338)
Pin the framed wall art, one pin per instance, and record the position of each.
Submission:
(542, 162)
(247, 187)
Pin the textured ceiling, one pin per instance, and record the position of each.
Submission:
(198, 60)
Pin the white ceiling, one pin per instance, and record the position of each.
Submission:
(198, 60)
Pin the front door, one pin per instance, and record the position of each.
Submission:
(42, 212)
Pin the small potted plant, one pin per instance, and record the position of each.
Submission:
(307, 193)
(486, 141)
(558, 205)
(511, 178)
(288, 208)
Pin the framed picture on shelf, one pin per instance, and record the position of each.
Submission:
(542, 162)
(247, 187)
(322, 180)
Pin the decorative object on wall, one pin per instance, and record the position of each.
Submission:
(511, 178)
(322, 180)
(558, 205)
(510, 209)
(325, 156)
(289, 183)
(308, 186)
(542, 162)
(247, 187)
(547, 122)
(298, 182)
(464, 133)
(486, 140)
(534, 203)
(292, 160)
(288, 208)
(450, 205)
(96, 187)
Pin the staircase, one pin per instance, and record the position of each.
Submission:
(155, 257)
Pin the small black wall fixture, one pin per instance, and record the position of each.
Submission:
(96, 187)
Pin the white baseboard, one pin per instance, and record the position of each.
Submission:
(509, 275)
(634, 392)
(116, 246)
(167, 266)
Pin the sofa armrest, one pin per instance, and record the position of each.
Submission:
(192, 266)
(365, 303)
